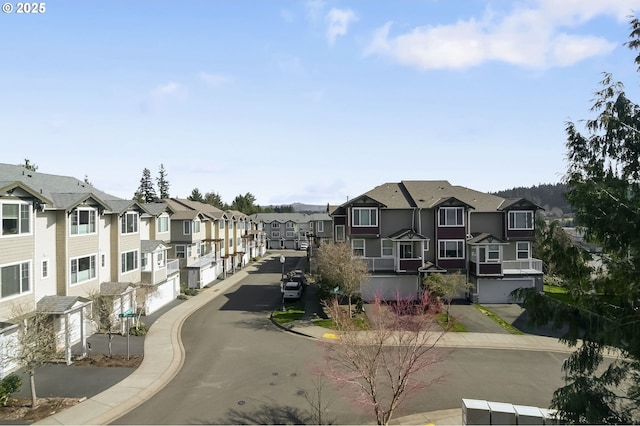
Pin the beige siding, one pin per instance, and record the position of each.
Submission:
(83, 244)
(45, 249)
(16, 249)
(16, 305)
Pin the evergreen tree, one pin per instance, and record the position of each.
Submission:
(146, 193)
(245, 204)
(603, 181)
(29, 165)
(163, 183)
(196, 196)
(215, 200)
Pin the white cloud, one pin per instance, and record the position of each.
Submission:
(214, 80)
(534, 37)
(338, 21)
(162, 95)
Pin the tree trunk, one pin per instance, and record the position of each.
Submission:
(110, 339)
(32, 382)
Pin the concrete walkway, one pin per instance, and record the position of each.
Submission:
(160, 364)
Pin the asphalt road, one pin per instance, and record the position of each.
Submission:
(241, 369)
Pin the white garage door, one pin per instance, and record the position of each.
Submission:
(163, 295)
(390, 287)
(208, 275)
(498, 291)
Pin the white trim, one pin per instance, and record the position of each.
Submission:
(320, 226)
(76, 212)
(95, 268)
(186, 227)
(371, 224)
(440, 242)
(445, 224)
(124, 223)
(123, 258)
(30, 279)
(20, 204)
(364, 245)
(382, 247)
(337, 233)
(511, 225)
(159, 220)
(44, 266)
(519, 250)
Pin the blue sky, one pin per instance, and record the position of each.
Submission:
(308, 101)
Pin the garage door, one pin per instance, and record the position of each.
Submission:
(208, 275)
(498, 291)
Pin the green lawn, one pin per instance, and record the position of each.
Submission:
(294, 312)
(558, 293)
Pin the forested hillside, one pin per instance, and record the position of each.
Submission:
(548, 196)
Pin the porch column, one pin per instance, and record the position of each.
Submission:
(83, 337)
(67, 339)
(421, 253)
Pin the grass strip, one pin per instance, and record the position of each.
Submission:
(502, 323)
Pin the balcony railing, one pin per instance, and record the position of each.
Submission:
(173, 266)
(521, 266)
(379, 263)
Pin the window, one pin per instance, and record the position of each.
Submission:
(490, 253)
(290, 234)
(45, 268)
(311, 225)
(189, 251)
(275, 225)
(230, 242)
(163, 224)
(222, 224)
(357, 246)
(365, 216)
(83, 269)
(451, 249)
(523, 250)
(290, 225)
(129, 223)
(302, 234)
(186, 227)
(387, 248)
(129, 261)
(339, 232)
(144, 260)
(83, 221)
(196, 226)
(180, 252)
(406, 250)
(16, 219)
(521, 220)
(14, 280)
(161, 259)
(320, 226)
(221, 244)
(451, 216)
(275, 234)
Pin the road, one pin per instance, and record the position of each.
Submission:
(241, 369)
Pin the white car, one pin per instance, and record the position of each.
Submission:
(303, 245)
(292, 290)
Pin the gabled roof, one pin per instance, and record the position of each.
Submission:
(10, 187)
(235, 214)
(149, 246)
(209, 210)
(58, 192)
(121, 206)
(484, 238)
(514, 203)
(407, 235)
(185, 215)
(60, 304)
(115, 288)
(156, 209)
(451, 201)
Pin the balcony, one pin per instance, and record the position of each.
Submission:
(173, 266)
(522, 266)
(375, 264)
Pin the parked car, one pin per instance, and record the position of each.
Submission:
(303, 245)
(297, 275)
(293, 290)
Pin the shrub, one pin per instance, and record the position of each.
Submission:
(9, 385)
(138, 329)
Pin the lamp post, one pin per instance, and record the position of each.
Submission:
(282, 259)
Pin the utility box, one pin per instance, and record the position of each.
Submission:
(475, 412)
(528, 415)
(502, 413)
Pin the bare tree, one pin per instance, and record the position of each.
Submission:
(390, 361)
(337, 265)
(315, 399)
(447, 287)
(103, 314)
(35, 346)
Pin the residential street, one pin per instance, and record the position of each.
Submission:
(240, 368)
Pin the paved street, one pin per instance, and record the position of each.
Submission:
(240, 368)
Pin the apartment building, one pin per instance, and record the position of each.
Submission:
(409, 229)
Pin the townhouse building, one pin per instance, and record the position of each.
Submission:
(64, 243)
(288, 230)
(409, 229)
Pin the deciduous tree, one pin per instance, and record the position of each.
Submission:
(391, 361)
(447, 287)
(337, 266)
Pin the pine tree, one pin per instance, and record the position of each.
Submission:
(146, 193)
(163, 183)
(196, 195)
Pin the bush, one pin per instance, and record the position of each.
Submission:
(9, 385)
(138, 329)
(188, 291)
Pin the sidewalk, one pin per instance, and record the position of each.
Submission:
(164, 356)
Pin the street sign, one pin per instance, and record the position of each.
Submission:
(127, 314)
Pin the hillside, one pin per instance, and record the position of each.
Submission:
(548, 196)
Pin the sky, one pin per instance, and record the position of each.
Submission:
(305, 101)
